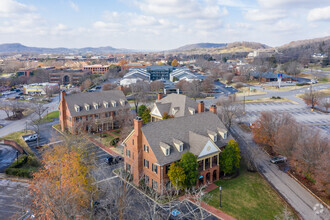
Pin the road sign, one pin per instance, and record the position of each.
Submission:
(280, 75)
(175, 212)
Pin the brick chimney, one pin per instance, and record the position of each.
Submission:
(62, 110)
(159, 96)
(200, 107)
(213, 108)
(121, 88)
(137, 166)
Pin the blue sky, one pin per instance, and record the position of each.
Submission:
(160, 24)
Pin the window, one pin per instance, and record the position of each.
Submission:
(181, 147)
(97, 116)
(133, 141)
(215, 138)
(146, 179)
(128, 167)
(167, 168)
(146, 148)
(154, 168)
(146, 163)
(107, 114)
(167, 151)
(154, 184)
(128, 153)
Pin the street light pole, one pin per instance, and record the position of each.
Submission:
(220, 188)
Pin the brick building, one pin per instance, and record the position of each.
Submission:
(97, 69)
(151, 148)
(91, 111)
(68, 76)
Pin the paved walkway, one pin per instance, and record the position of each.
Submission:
(214, 211)
(107, 149)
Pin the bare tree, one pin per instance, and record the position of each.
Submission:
(228, 77)
(156, 86)
(38, 109)
(311, 97)
(208, 84)
(325, 102)
(139, 91)
(109, 86)
(193, 89)
(229, 108)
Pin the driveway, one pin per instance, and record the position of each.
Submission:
(297, 196)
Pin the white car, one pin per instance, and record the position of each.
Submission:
(228, 86)
(31, 137)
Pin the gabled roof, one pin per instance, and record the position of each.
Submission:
(80, 99)
(191, 130)
(180, 102)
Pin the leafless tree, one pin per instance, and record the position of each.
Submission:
(85, 84)
(311, 97)
(38, 109)
(208, 84)
(228, 77)
(109, 86)
(229, 108)
(139, 91)
(156, 86)
(192, 89)
(325, 102)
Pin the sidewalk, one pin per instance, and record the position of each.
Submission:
(107, 149)
(214, 211)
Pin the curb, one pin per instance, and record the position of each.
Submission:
(21, 180)
(320, 200)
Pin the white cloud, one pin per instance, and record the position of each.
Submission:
(318, 14)
(74, 6)
(286, 4)
(9, 8)
(264, 15)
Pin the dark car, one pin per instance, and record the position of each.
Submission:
(118, 159)
(98, 87)
(109, 160)
(278, 159)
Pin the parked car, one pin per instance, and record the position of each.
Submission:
(228, 86)
(278, 159)
(29, 98)
(113, 160)
(98, 87)
(31, 137)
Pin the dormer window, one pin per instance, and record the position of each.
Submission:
(175, 110)
(87, 107)
(223, 133)
(191, 110)
(96, 106)
(122, 102)
(165, 148)
(106, 104)
(114, 103)
(77, 108)
(213, 135)
(178, 144)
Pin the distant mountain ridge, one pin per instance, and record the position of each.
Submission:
(19, 48)
(199, 46)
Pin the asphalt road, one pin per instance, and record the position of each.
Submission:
(299, 198)
(7, 156)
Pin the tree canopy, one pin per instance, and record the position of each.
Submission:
(190, 165)
(230, 157)
(177, 176)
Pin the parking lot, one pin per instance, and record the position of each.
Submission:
(300, 113)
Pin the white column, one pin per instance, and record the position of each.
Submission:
(203, 164)
(210, 162)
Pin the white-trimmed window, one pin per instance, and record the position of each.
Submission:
(146, 148)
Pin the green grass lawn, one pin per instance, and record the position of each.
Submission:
(17, 137)
(50, 117)
(248, 196)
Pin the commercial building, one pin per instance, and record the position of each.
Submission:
(151, 148)
(159, 72)
(91, 111)
(68, 76)
(40, 88)
(97, 69)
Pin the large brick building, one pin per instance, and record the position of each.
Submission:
(91, 111)
(97, 68)
(68, 76)
(151, 148)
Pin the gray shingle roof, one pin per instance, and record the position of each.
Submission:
(191, 130)
(182, 102)
(81, 99)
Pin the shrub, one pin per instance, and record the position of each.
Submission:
(302, 84)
